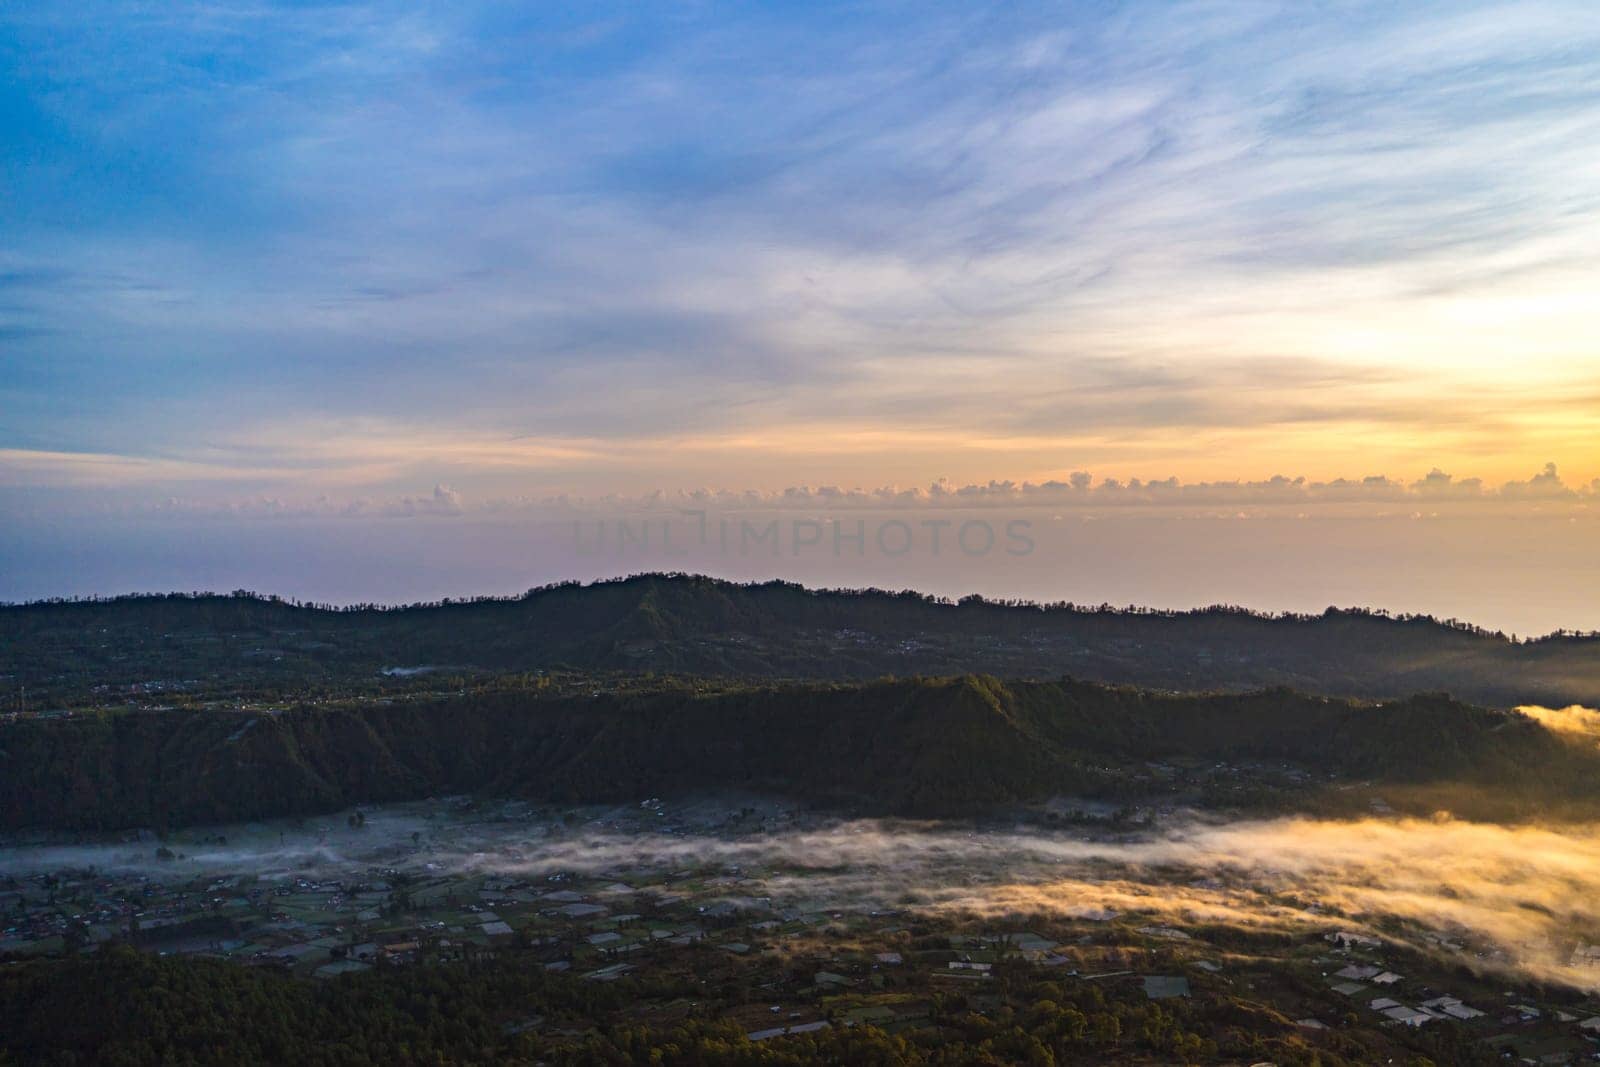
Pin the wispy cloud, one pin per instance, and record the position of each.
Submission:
(1066, 235)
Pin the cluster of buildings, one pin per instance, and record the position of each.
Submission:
(452, 883)
(1503, 1020)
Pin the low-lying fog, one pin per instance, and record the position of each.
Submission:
(1575, 721)
(1523, 898)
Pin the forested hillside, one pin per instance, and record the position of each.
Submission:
(945, 746)
(60, 652)
(120, 1006)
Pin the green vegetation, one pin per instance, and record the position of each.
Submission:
(168, 649)
(118, 1006)
(918, 746)
(164, 712)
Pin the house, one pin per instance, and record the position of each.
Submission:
(1452, 1007)
(1028, 943)
(581, 911)
(563, 896)
(784, 1031)
(1165, 988)
(1348, 938)
(338, 967)
(1462, 1012)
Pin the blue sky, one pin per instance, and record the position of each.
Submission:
(329, 251)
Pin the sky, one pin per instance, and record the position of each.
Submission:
(394, 261)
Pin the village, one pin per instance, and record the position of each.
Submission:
(780, 942)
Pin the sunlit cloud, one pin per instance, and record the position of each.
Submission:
(1175, 237)
(1575, 721)
(331, 473)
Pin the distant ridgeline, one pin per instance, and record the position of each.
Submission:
(929, 747)
(71, 653)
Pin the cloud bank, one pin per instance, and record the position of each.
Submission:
(1436, 493)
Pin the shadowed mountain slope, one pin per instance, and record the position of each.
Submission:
(936, 747)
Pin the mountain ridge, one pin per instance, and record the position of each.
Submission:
(670, 623)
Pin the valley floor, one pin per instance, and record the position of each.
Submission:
(778, 923)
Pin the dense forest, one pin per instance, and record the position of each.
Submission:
(914, 746)
(62, 653)
(118, 1006)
